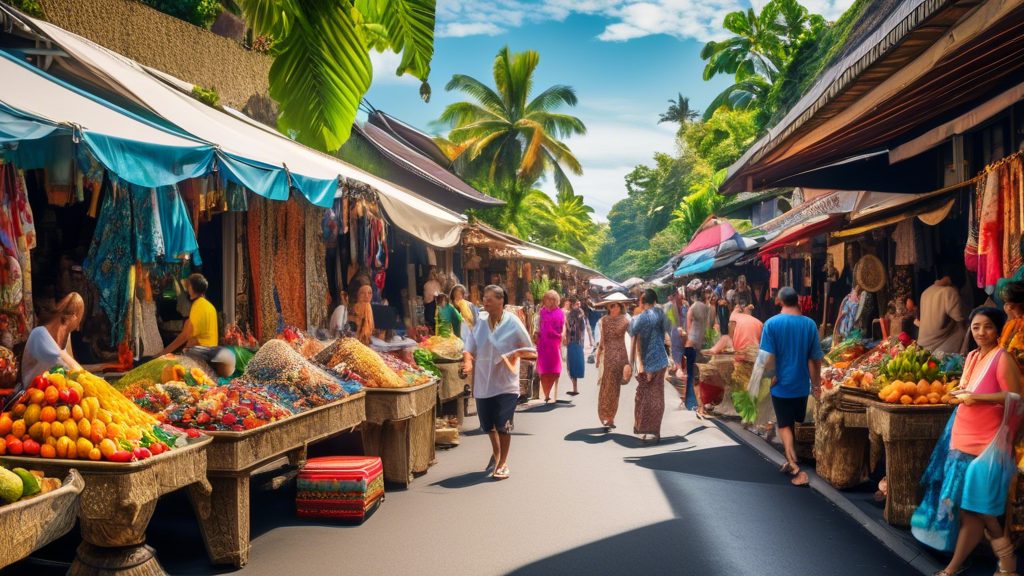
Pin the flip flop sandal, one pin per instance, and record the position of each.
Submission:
(501, 473)
(796, 481)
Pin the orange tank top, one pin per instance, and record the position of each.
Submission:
(977, 424)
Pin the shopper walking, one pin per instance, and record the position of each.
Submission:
(577, 330)
(612, 361)
(698, 318)
(969, 475)
(650, 331)
(791, 340)
(550, 333)
(494, 346)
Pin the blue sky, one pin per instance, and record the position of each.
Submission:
(625, 58)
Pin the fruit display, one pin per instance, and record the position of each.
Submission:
(913, 364)
(236, 406)
(292, 380)
(166, 369)
(351, 355)
(18, 484)
(924, 392)
(412, 375)
(81, 416)
(861, 380)
(446, 348)
(843, 354)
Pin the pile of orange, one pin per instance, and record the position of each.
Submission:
(924, 392)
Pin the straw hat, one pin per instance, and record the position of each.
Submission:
(870, 273)
(615, 298)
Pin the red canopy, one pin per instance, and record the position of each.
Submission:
(802, 231)
(709, 238)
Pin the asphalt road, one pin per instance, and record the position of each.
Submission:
(579, 502)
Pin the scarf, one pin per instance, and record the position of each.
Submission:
(364, 329)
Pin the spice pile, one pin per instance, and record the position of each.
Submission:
(291, 380)
(351, 355)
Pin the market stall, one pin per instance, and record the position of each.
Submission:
(37, 519)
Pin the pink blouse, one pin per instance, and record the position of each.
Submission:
(977, 424)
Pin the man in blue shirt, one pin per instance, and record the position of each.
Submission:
(791, 340)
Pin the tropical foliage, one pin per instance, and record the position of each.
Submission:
(322, 67)
(202, 13)
(756, 55)
(679, 112)
(506, 141)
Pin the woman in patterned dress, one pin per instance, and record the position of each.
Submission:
(612, 361)
(650, 330)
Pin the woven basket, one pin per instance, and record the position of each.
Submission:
(870, 273)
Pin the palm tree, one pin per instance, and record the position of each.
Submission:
(564, 224)
(679, 111)
(506, 139)
(702, 202)
(321, 66)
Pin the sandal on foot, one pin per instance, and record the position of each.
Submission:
(501, 473)
(1003, 549)
(785, 468)
(800, 478)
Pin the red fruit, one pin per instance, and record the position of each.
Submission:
(203, 418)
(238, 428)
(158, 448)
(14, 447)
(63, 396)
(121, 456)
(30, 447)
(192, 433)
(141, 453)
(228, 419)
(41, 381)
(73, 396)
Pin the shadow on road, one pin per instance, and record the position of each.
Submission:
(722, 463)
(599, 436)
(464, 480)
(542, 408)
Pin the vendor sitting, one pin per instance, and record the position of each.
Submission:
(49, 345)
(448, 321)
(200, 328)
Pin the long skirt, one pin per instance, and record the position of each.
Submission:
(650, 402)
(610, 384)
(936, 522)
(576, 361)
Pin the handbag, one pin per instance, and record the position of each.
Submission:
(627, 374)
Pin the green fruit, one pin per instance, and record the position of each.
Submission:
(10, 486)
(29, 482)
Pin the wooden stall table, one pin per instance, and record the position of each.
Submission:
(452, 387)
(910, 434)
(30, 524)
(400, 429)
(117, 503)
(233, 456)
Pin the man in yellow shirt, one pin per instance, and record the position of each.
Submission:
(200, 328)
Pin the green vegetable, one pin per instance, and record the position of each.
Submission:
(745, 406)
(425, 360)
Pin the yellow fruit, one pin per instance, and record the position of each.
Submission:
(62, 447)
(84, 428)
(5, 424)
(84, 447)
(63, 413)
(51, 394)
(103, 416)
(107, 447)
(71, 429)
(86, 409)
(36, 396)
(99, 431)
(57, 430)
(47, 430)
(114, 431)
(906, 399)
(18, 411)
(57, 379)
(51, 441)
(48, 413)
(920, 400)
(36, 431)
(72, 449)
(95, 454)
(32, 414)
(47, 451)
(76, 413)
(18, 429)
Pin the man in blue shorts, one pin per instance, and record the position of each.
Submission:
(790, 339)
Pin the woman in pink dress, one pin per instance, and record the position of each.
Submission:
(550, 330)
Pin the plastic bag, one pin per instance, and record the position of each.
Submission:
(994, 468)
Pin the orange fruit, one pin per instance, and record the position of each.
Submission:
(63, 413)
(52, 394)
(57, 430)
(103, 415)
(114, 431)
(72, 448)
(95, 454)
(47, 451)
(35, 432)
(62, 447)
(36, 396)
(18, 411)
(32, 414)
(85, 428)
(18, 429)
(47, 430)
(905, 399)
(71, 429)
(3, 446)
(72, 385)
(48, 414)
(76, 413)
(5, 424)
(107, 447)
(84, 447)
(99, 431)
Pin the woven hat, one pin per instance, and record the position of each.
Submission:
(615, 298)
(870, 273)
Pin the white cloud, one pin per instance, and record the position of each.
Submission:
(384, 66)
(627, 19)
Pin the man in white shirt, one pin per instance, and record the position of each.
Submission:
(494, 345)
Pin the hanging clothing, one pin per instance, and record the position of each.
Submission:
(149, 238)
(176, 228)
(906, 245)
(990, 228)
(110, 257)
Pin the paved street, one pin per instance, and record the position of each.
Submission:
(579, 501)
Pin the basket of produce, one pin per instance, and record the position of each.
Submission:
(351, 355)
(35, 510)
(80, 416)
(843, 354)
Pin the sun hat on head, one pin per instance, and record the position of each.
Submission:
(695, 285)
(616, 298)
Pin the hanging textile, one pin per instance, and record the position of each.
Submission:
(906, 245)
(1011, 182)
(176, 227)
(318, 297)
(110, 257)
(774, 282)
(149, 239)
(290, 249)
(253, 237)
(17, 238)
(990, 242)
